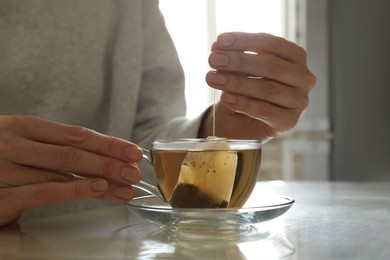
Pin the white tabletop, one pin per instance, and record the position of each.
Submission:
(329, 220)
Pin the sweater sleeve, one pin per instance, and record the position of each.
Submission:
(161, 105)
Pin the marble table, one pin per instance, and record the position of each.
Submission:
(329, 220)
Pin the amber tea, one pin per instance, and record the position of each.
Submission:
(201, 175)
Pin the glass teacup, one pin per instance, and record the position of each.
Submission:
(204, 173)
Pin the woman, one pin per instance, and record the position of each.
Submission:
(83, 83)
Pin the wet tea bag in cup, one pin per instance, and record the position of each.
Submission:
(206, 176)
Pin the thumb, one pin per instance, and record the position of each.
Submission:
(57, 192)
(14, 200)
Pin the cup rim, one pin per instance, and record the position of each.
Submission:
(190, 144)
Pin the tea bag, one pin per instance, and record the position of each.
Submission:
(206, 177)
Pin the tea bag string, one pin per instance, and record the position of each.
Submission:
(214, 105)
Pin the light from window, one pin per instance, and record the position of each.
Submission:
(194, 25)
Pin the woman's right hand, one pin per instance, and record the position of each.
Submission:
(44, 162)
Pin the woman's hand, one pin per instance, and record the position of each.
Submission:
(265, 83)
(43, 162)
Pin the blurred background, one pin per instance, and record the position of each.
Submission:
(344, 133)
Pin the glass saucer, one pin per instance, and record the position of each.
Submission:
(155, 211)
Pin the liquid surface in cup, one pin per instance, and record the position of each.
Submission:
(185, 190)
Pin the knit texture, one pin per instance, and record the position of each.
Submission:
(109, 65)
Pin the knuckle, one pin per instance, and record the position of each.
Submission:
(308, 80)
(300, 103)
(274, 66)
(76, 190)
(243, 104)
(238, 83)
(78, 134)
(265, 111)
(294, 120)
(10, 143)
(46, 195)
(14, 122)
(65, 157)
(305, 101)
(302, 52)
(272, 88)
(311, 80)
(241, 62)
(112, 144)
(50, 194)
(271, 41)
(59, 178)
(266, 131)
(11, 148)
(8, 149)
(108, 168)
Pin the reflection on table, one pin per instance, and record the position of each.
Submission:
(327, 221)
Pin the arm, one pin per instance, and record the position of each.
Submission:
(161, 104)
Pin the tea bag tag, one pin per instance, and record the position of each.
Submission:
(207, 176)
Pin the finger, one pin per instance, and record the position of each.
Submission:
(258, 88)
(51, 132)
(12, 175)
(261, 43)
(74, 160)
(265, 65)
(118, 193)
(274, 116)
(17, 199)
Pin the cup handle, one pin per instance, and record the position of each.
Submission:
(147, 156)
(144, 186)
(149, 188)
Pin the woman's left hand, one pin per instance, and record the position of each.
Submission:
(265, 83)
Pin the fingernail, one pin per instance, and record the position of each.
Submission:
(130, 174)
(99, 185)
(133, 153)
(123, 193)
(218, 78)
(218, 59)
(229, 98)
(225, 40)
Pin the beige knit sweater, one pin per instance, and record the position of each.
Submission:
(109, 65)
